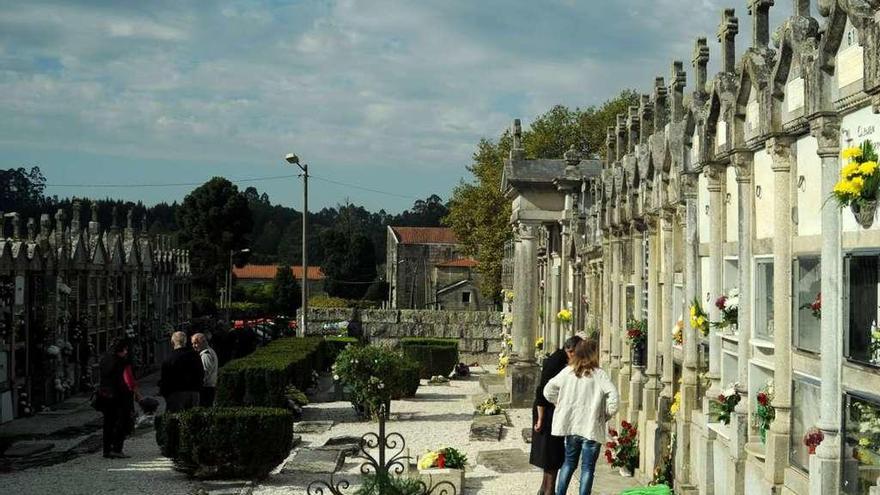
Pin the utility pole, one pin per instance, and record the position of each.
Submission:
(304, 307)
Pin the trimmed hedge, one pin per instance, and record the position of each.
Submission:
(226, 442)
(408, 379)
(436, 356)
(261, 378)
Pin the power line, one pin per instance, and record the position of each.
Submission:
(173, 184)
(251, 179)
(377, 191)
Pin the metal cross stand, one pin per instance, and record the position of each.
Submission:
(395, 465)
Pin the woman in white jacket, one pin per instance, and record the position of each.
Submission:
(585, 399)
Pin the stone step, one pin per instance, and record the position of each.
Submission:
(490, 382)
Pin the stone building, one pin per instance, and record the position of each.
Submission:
(426, 269)
(67, 289)
(707, 190)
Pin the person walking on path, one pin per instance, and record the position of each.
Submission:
(115, 397)
(548, 451)
(210, 366)
(181, 379)
(584, 398)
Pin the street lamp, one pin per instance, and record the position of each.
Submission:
(294, 160)
(232, 252)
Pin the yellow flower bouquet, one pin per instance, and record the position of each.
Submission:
(699, 319)
(859, 183)
(564, 316)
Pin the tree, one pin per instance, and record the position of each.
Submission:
(349, 263)
(478, 211)
(378, 291)
(214, 219)
(286, 293)
(21, 190)
(480, 214)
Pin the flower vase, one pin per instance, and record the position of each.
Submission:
(639, 356)
(864, 212)
(626, 472)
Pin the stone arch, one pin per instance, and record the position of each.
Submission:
(744, 90)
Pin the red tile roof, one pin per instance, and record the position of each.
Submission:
(267, 272)
(459, 263)
(425, 235)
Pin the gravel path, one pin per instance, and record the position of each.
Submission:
(439, 416)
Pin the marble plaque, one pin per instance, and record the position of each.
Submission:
(721, 134)
(850, 66)
(752, 118)
(794, 94)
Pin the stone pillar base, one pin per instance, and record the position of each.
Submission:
(824, 475)
(522, 378)
(777, 457)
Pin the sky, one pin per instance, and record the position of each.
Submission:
(385, 100)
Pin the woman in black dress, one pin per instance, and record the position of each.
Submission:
(548, 452)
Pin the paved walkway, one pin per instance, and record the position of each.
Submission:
(438, 416)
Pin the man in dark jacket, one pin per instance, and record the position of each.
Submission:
(181, 379)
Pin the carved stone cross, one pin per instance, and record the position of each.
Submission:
(760, 12)
(701, 60)
(727, 32)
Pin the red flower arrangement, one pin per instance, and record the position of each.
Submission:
(813, 438)
(623, 449)
(815, 307)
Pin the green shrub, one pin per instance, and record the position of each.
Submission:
(408, 378)
(262, 378)
(226, 442)
(323, 301)
(436, 356)
(333, 346)
(375, 375)
(388, 484)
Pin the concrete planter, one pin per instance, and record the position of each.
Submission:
(434, 476)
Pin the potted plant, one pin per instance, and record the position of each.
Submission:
(637, 336)
(489, 407)
(622, 451)
(446, 464)
(859, 183)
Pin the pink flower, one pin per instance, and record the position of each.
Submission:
(721, 302)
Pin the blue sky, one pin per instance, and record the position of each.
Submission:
(388, 95)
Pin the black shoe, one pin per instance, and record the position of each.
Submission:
(116, 455)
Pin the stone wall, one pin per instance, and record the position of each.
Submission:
(479, 332)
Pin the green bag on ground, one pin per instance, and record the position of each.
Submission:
(648, 490)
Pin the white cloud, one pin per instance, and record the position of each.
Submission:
(381, 83)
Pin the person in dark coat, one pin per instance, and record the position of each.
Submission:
(182, 375)
(548, 451)
(115, 397)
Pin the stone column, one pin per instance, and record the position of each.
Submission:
(614, 307)
(668, 280)
(638, 281)
(689, 400)
(624, 279)
(553, 262)
(525, 311)
(825, 465)
(716, 175)
(780, 149)
(743, 162)
(655, 322)
(605, 328)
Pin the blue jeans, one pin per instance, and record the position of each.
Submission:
(576, 447)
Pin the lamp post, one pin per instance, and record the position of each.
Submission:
(304, 307)
(228, 302)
